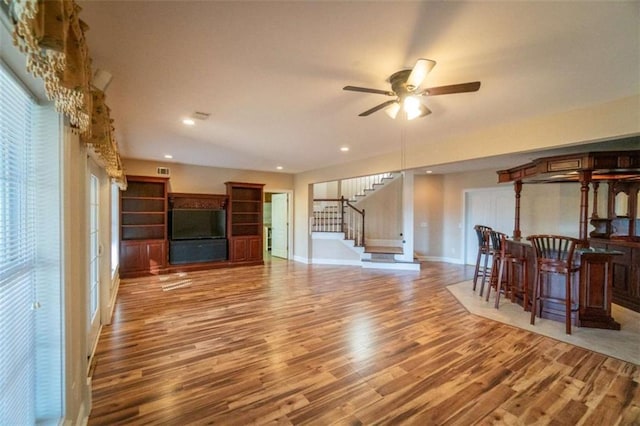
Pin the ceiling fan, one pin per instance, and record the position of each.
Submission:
(405, 88)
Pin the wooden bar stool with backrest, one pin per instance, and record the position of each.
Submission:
(554, 255)
(484, 247)
(498, 270)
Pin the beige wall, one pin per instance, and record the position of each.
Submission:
(207, 180)
(383, 212)
(610, 120)
(428, 215)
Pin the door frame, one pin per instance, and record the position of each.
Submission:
(104, 256)
(290, 205)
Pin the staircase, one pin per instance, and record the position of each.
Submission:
(341, 221)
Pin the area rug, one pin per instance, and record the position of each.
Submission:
(623, 344)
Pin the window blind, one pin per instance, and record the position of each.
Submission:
(30, 267)
(17, 256)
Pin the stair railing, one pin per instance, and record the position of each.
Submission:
(339, 215)
(353, 188)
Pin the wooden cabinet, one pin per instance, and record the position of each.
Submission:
(625, 271)
(244, 222)
(143, 226)
(246, 249)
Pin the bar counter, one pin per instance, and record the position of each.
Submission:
(593, 289)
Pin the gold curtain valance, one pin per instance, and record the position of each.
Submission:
(51, 35)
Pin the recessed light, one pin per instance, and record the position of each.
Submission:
(188, 122)
(428, 171)
(168, 156)
(279, 167)
(344, 149)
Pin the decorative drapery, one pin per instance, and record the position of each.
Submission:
(51, 35)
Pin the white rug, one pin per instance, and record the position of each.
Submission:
(623, 344)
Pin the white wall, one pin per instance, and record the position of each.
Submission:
(326, 190)
(75, 195)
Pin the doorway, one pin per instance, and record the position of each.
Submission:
(494, 207)
(277, 217)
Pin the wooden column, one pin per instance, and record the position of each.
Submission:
(585, 180)
(594, 214)
(517, 186)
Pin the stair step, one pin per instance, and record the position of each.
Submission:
(383, 250)
(383, 257)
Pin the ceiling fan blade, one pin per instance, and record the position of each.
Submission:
(419, 72)
(376, 108)
(367, 90)
(453, 88)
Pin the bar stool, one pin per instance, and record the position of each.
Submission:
(484, 248)
(554, 255)
(500, 258)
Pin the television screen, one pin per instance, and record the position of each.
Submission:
(192, 224)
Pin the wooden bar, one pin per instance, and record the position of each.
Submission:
(618, 230)
(594, 289)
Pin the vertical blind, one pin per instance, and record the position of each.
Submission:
(30, 272)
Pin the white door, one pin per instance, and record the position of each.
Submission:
(493, 207)
(94, 259)
(279, 225)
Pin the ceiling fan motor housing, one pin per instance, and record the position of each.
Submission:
(398, 82)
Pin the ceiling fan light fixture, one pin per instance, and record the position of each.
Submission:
(421, 111)
(411, 106)
(393, 110)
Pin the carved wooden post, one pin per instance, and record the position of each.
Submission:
(585, 179)
(517, 186)
(594, 215)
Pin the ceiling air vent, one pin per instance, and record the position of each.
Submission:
(163, 171)
(201, 115)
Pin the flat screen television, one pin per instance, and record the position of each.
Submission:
(193, 224)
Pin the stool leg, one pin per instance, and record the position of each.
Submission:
(536, 290)
(525, 286)
(484, 272)
(475, 273)
(568, 304)
(492, 277)
(511, 281)
(499, 283)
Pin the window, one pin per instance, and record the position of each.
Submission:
(30, 272)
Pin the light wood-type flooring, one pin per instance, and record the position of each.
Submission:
(288, 343)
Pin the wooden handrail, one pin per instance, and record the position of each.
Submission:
(350, 233)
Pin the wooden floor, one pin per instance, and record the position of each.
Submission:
(289, 343)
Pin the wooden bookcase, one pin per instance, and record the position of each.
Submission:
(244, 222)
(143, 226)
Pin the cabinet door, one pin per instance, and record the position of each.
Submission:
(239, 249)
(131, 256)
(635, 276)
(255, 248)
(622, 272)
(156, 255)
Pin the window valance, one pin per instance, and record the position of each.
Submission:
(52, 36)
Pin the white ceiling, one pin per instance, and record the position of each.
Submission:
(271, 73)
